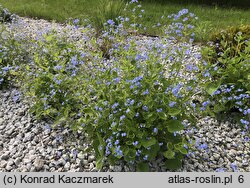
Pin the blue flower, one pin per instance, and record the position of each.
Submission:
(145, 108)
(135, 143)
(155, 130)
(76, 21)
(171, 104)
(203, 146)
(244, 121)
(116, 142)
(159, 110)
(115, 105)
(118, 151)
(220, 170)
(110, 22)
(138, 153)
(58, 67)
(204, 104)
(145, 157)
(122, 117)
(146, 92)
(117, 80)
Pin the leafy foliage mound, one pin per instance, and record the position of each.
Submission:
(228, 57)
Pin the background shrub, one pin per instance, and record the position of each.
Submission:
(228, 58)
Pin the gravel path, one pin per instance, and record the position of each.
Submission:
(27, 145)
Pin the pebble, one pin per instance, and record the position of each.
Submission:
(3, 164)
(38, 164)
(5, 156)
(91, 158)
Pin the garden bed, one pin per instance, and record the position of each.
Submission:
(27, 144)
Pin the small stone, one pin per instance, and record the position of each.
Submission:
(24, 169)
(17, 161)
(216, 156)
(229, 140)
(81, 156)
(91, 158)
(245, 163)
(5, 156)
(205, 156)
(85, 162)
(232, 153)
(8, 168)
(91, 166)
(33, 169)
(3, 164)
(126, 169)
(10, 162)
(65, 157)
(67, 166)
(117, 168)
(60, 148)
(38, 163)
(61, 162)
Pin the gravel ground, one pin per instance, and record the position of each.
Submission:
(28, 145)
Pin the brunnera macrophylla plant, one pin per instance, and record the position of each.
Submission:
(52, 77)
(136, 103)
(133, 106)
(12, 54)
(229, 89)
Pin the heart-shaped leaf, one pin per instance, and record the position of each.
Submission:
(174, 126)
(169, 154)
(148, 143)
(210, 88)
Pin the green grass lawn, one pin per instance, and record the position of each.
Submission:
(211, 17)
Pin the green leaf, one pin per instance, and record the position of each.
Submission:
(130, 155)
(174, 125)
(142, 167)
(173, 164)
(163, 116)
(210, 88)
(99, 163)
(183, 150)
(219, 108)
(170, 146)
(154, 151)
(174, 111)
(151, 117)
(148, 143)
(169, 154)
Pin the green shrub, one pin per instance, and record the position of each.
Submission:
(13, 53)
(231, 41)
(228, 59)
(133, 107)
